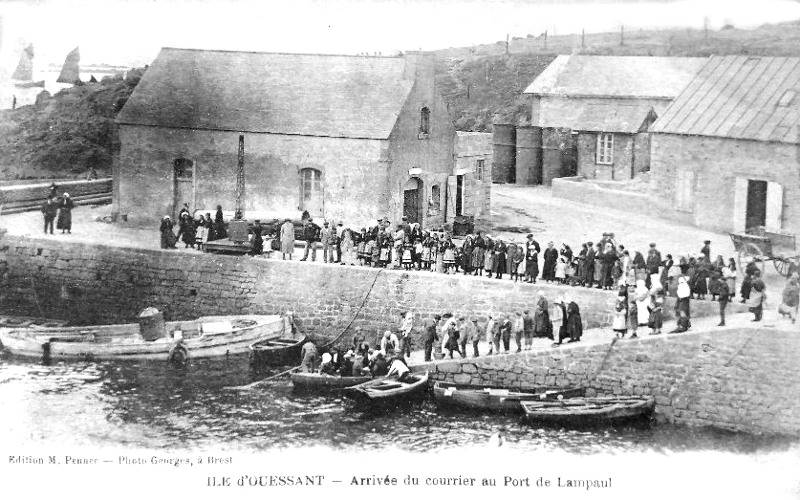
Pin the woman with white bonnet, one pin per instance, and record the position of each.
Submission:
(64, 222)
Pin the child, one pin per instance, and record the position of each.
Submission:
(515, 263)
(426, 254)
(419, 250)
(619, 324)
(449, 257)
(561, 270)
(363, 254)
(656, 309)
(488, 261)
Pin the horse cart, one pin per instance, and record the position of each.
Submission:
(758, 246)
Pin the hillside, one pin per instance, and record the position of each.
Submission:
(485, 81)
(63, 135)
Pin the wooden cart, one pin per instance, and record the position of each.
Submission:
(758, 245)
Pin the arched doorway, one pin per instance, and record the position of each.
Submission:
(413, 200)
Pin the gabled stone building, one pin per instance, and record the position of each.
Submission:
(602, 107)
(726, 154)
(348, 138)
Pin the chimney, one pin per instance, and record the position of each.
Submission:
(420, 67)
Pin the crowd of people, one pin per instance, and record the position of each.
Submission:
(57, 209)
(193, 230)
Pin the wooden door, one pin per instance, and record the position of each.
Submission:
(459, 195)
(774, 217)
(740, 205)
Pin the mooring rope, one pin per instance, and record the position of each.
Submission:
(352, 320)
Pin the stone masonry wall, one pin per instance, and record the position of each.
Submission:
(742, 379)
(102, 284)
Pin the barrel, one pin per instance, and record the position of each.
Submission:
(529, 155)
(151, 324)
(504, 153)
(554, 144)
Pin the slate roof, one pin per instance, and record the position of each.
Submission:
(296, 94)
(739, 97)
(616, 76)
(596, 117)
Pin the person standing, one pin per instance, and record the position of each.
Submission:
(790, 298)
(706, 250)
(519, 258)
(219, 224)
(478, 250)
(476, 337)
(519, 330)
(309, 357)
(258, 241)
(656, 308)
(505, 333)
(589, 265)
(326, 237)
(466, 333)
(339, 233)
(406, 326)
(620, 322)
(724, 296)
(65, 207)
(527, 329)
(729, 276)
(167, 236)
(429, 336)
(500, 264)
(287, 239)
(652, 264)
(682, 310)
(549, 266)
(541, 319)
(531, 264)
(493, 335)
(757, 296)
(311, 234)
(49, 210)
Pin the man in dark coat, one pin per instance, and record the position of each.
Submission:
(527, 329)
(49, 210)
(549, 267)
(429, 336)
(311, 233)
(724, 297)
(500, 259)
(588, 267)
(652, 263)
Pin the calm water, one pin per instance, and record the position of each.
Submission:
(153, 405)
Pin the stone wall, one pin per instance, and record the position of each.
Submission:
(102, 284)
(716, 163)
(738, 379)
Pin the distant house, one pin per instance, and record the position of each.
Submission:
(472, 177)
(608, 104)
(726, 154)
(346, 138)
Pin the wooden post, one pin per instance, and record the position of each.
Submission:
(507, 36)
(583, 38)
(545, 39)
(240, 178)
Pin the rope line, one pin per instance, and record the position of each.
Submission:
(360, 307)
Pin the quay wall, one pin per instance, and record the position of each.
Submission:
(106, 284)
(738, 379)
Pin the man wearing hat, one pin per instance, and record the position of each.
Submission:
(326, 236)
(706, 250)
(311, 234)
(652, 264)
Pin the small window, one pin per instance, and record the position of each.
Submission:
(605, 149)
(424, 122)
(434, 202)
(684, 187)
(183, 169)
(311, 191)
(479, 167)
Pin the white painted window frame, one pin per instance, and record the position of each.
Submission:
(605, 149)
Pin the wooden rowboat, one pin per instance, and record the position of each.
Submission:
(208, 336)
(319, 381)
(588, 410)
(385, 390)
(277, 352)
(495, 399)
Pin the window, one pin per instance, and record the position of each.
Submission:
(684, 184)
(605, 149)
(435, 201)
(424, 122)
(311, 191)
(480, 165)
(183, 169)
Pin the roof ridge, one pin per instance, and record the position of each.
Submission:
(231, 51)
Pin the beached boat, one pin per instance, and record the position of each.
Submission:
(277, 352)
(208, 336)
(322, 382)
(581, 411)
(389, 390)
(495, 399)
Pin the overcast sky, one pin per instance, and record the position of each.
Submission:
(130, 32)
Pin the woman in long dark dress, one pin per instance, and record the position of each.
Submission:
(531, 264)
(219, 224)
(167, 236)
(574, 321)
(478, 249)
(541, 319)
(187, 230)
(500, 259)
(549, 267)
(64, 222)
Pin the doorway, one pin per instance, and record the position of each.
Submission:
(756, 211)
(459, 195)
(183, 188)
(412, 200)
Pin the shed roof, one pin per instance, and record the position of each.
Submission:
(616, 76)
(575, 114)
(739, 97)
(297, 94)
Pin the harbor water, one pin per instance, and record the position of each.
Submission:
(153, 405)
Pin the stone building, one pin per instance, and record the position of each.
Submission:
(471, 183)
(726, 154)
(601, 107)
(347, 138)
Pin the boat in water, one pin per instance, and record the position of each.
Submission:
(389, 390)
(496, 399)
(322, 382)
(589, 411)
(281, 351)
(23, 74)
(205, 337)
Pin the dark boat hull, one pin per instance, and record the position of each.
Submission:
(279, 352)
(589, 411)
(319, 382)
(496, 400)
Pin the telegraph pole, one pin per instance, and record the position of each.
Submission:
(240, 178)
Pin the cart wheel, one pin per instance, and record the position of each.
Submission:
(751, 253)
(783, 266)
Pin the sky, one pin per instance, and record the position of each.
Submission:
(130, 32)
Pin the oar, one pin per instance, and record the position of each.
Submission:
(259, 382)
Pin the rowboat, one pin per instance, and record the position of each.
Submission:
(389, 390)
(319, 381)
(495, 399)
(588, 410)
(205, 337)
(277, 352)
